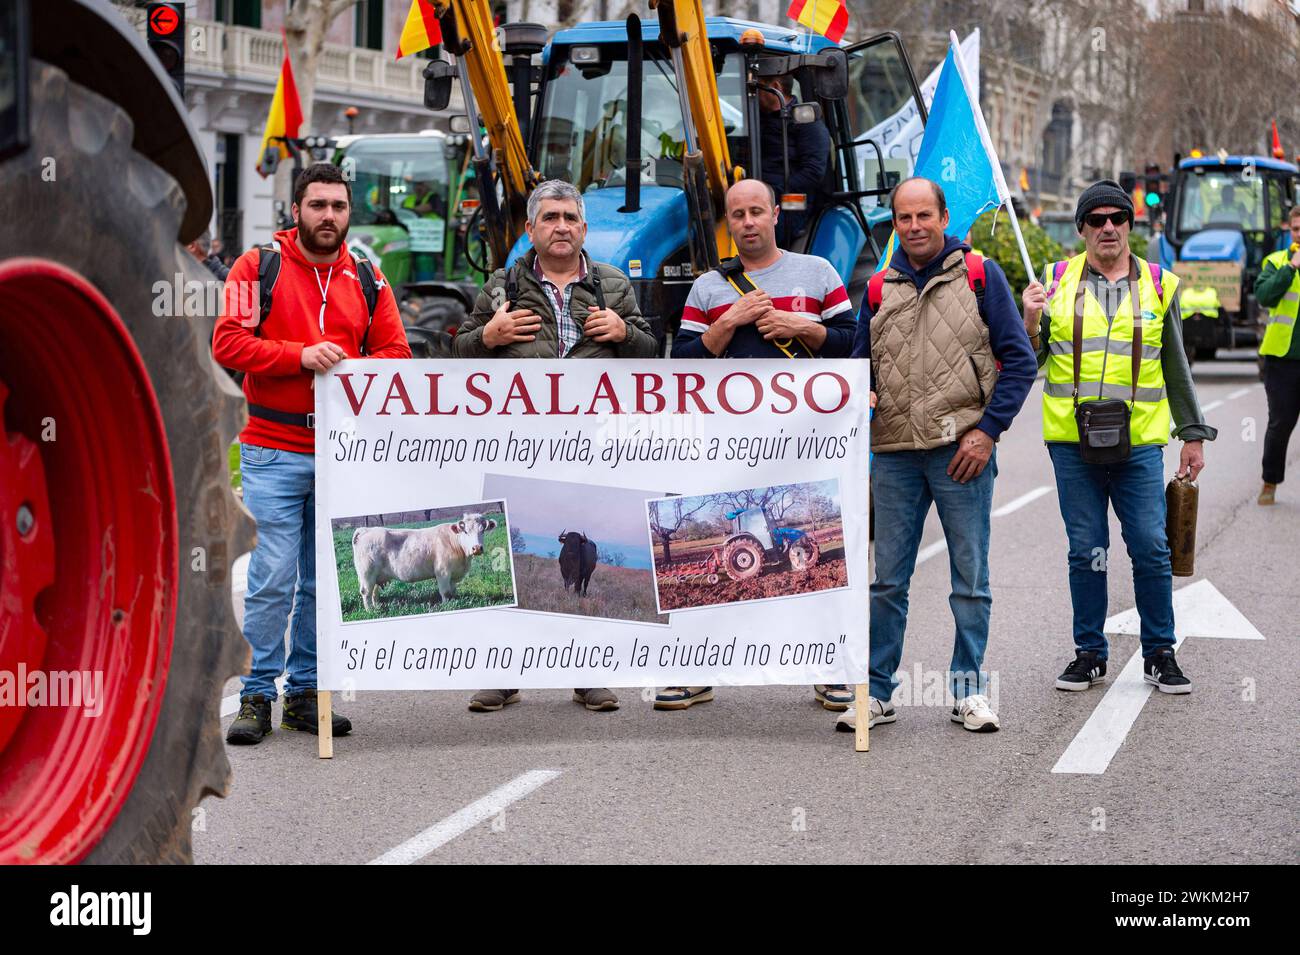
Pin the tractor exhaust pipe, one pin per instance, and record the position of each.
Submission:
(635, 56)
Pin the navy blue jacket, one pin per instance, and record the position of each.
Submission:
(1007, 335)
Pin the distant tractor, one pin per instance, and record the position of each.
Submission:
(753, 540)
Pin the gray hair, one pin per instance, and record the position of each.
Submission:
(554, 189)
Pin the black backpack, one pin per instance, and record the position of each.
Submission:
(268, 271)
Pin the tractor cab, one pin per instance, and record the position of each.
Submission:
(408, 192)
(1225, 215)
(753, 521)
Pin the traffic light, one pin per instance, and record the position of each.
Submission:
(166, 31)
(1152, 194)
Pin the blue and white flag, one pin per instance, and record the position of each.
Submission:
(958, 153)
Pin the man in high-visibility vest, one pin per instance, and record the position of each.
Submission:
(1278, 290)
(1081, 321)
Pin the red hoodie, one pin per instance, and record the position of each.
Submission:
(272, 358)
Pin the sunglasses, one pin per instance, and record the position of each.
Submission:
(1098, 219)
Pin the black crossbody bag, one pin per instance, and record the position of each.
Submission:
(1104, 434)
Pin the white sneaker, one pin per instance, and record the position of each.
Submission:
(974, 713)
(847, 722)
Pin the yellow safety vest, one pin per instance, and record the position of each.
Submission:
(1108, 346)
(1201, 299)
(1281, 318)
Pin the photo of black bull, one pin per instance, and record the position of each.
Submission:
(577, 560)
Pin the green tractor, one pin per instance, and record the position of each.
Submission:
(413, 196)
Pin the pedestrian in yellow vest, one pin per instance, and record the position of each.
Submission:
(1278, 290)
(1107, 326)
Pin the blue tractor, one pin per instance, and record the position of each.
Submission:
(755, 538)
(1224, 215)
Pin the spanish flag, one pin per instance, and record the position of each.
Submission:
(285, 117)
(830, 18)
(421, 30)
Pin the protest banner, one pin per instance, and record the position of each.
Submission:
(560, 524)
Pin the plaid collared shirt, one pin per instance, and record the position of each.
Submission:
(568, 331)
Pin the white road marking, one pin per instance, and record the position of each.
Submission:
(461, 822)
(1201, 611)
(939, 546)
(1211, 406)
(1022, 500)
(1238, 393)
(932, 550)
(239, 574)
(230, 704)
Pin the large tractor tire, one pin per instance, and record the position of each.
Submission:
(118, 534)
(742, 558)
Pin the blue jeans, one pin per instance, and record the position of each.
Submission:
(904, 484)
(280, 492)
(1136, 489)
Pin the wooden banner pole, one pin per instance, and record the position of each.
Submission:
(325, 724)
(862, 707)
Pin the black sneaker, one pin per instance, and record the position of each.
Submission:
(300, 713)
(253, 722)
(1161, 671)
(1088, 669)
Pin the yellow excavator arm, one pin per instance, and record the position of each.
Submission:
(681, 27)
(488, 98)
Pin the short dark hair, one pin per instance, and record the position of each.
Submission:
(939, 197)
(319, 172)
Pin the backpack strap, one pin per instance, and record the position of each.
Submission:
(370, 291)
(512, 283)
(1155, 280)
(733, 270)
(268, 272)
(876, 290)
(1056, 271)
(975, 279)
(597, 287)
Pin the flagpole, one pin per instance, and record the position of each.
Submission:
(1004, 193)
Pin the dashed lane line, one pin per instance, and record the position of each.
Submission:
(461, 822)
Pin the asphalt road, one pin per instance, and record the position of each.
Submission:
(758, 775)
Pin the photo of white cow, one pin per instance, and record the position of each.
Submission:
(419, 562)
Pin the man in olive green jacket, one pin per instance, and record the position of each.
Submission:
(547, 305)
(554, 302)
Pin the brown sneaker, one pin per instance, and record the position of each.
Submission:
(596, 698)
(1267, 495)
(489, 701)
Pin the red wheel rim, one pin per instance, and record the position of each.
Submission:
(90, 587)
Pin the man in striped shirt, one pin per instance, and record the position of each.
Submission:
(791, 306)
(799, 308)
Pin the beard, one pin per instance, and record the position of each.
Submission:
(316, 244)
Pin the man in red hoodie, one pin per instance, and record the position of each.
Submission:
(319, 315)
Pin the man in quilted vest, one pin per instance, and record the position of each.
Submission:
(935, 340)
(1107, 315)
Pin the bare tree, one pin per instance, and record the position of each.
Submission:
(667, 518)
(517, 542)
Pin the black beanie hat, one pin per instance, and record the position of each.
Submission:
(1106, 192)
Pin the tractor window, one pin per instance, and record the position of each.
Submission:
(392, 176)
(1222, 198)
(583, 133)
(881, 102)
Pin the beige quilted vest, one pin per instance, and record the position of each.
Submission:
(934, 369)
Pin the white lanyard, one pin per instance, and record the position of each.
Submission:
(324, 294)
